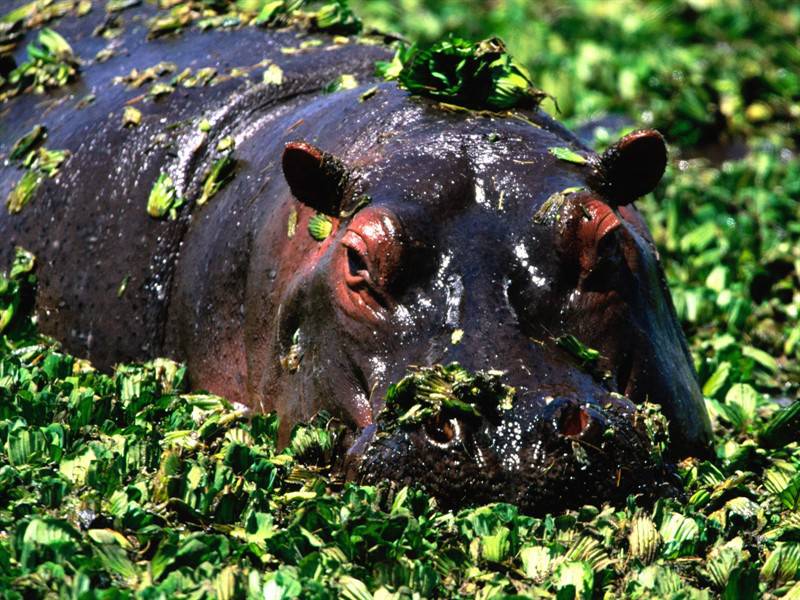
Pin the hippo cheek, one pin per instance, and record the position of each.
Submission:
(621, 307)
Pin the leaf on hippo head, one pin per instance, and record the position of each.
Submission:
(220, 173)
(580, 351)
(164, 198)
(568, 155)
(320, 227)
(479, 75)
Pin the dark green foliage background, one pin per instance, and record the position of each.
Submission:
(129, 486)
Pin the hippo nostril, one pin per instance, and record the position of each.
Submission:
(573, 420)
(442, 431)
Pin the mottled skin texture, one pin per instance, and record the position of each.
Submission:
(449, 241)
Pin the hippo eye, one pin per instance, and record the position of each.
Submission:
(610, 270)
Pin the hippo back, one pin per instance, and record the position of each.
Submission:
(106, 265)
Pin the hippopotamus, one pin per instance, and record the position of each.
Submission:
(363, 231)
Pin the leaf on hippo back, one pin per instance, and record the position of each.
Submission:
(273, 75)
(22, 193)
(568, 155)
(218, 176)
(131, 116)
(390, 70)
(55, 44)
(163, 199)
(169, 23)
(320, 227)
(368, 94)
(159, 89)
(336, 17)
(49, 161)
(345, 81)
(201, 78)
(27, 142)
(120, 5)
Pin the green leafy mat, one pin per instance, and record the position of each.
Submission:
(130, 486)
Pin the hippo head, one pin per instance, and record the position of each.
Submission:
(498, 243)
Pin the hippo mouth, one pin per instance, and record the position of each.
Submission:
(543, 455)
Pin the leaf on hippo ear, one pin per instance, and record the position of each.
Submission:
(315, 177)
(630, 168)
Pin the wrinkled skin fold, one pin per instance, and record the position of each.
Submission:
(453, 236)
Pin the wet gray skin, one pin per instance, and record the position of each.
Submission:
(458, 237)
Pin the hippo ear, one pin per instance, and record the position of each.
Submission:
(630, 168)
(316, 178)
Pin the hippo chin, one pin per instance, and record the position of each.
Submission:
(366, 231)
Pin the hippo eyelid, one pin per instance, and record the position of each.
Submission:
(607, 225)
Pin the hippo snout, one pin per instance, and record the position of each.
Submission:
(543, 454)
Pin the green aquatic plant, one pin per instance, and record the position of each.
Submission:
(479, 75)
